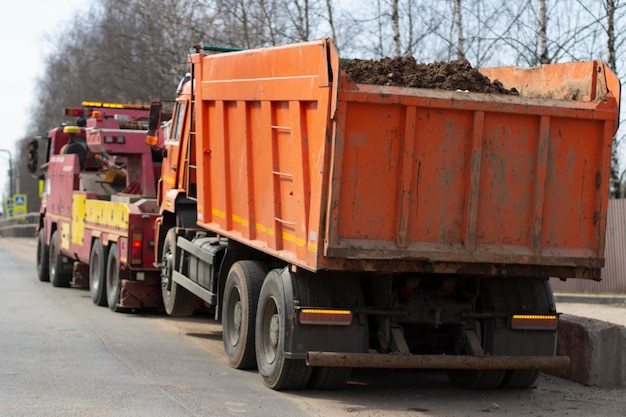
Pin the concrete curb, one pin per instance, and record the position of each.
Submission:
(597, 350)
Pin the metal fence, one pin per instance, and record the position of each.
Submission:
(23, 226)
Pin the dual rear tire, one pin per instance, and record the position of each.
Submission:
(60, 274)
(241, 295)
(510, 296)
(97, 273)
(113, 280)
(276, 371)
(255, 319)
(104, 276)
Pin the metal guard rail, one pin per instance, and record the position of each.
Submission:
(22, 226)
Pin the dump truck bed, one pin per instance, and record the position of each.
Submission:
(298, 161)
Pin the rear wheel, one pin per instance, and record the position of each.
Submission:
(478, 379)
(520, 378)
(276, 371)
(97, 273)
(177, 300)
(510, 296)
(241, 295)
(59, 276)
(534, 296)
(482, 379)
(43, 264)
(327, 378)
(113, 282)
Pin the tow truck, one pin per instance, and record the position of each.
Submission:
(96, 223)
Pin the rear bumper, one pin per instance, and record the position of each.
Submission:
(408, 361)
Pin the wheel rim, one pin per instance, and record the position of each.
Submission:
(236, 314)
(166, 271)
(271, 331)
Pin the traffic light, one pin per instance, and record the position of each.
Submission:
(33, 155)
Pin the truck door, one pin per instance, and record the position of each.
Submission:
(172, 173)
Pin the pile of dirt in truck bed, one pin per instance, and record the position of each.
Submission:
(406, 72)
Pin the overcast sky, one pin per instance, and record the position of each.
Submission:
(25, 29)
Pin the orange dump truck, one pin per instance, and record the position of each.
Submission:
(336, 225)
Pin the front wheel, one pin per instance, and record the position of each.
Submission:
(277, 372)
(177, 300)
(43, 264)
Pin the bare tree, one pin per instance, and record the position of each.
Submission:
(543, 33)
(343, 24)
(234, 15)
(135, 51)
(331, 22)
(380, 26)
(395, 27)
(422, 20)
(130, 52)
(610, 7)
(302, 15)
(273, 27)
(606, 41)
(569, 37)
(458, 24)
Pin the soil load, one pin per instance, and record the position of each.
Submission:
(406, 72)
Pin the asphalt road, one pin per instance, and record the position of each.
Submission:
(60, 355)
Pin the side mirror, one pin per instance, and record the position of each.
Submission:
(33, 155)
(154, 121)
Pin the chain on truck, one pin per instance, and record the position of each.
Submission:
(96, 225)
(335, 225)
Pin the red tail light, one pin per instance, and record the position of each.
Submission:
(136, 247)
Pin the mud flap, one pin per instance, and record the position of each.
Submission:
(138, 294)
(322, 290)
